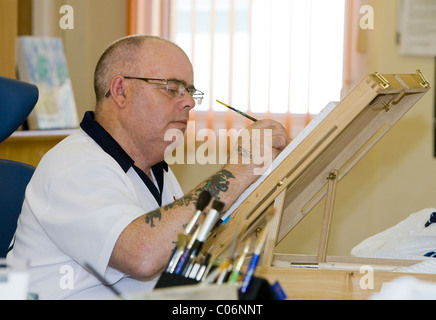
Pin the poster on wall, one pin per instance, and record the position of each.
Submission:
(41, 61)
(417, 27)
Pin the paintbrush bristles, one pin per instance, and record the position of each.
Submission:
(203, 200)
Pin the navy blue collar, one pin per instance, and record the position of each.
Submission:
(111, 147)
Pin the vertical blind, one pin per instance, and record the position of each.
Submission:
(281, 59)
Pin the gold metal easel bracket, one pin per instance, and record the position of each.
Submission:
(382, 80)
(424, 82)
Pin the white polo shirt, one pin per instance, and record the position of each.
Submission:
(83, 194)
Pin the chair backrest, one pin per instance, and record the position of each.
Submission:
(17, 99)
(14, 178)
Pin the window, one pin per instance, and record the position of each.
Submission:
(271, 58)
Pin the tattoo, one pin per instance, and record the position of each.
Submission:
(244, 153)
(183, 201)
(149, 217)
(218, 183)
(215, 185)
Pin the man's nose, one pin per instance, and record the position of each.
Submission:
(186, 102)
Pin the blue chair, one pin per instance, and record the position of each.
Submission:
(17, 99)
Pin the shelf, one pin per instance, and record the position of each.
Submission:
(39, 135)
(30, 146)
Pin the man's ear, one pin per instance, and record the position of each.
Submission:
(118, 90)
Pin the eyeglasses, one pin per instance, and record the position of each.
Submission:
(173, 87)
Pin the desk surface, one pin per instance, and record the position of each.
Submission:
(308, 284)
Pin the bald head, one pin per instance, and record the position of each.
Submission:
(121, 57)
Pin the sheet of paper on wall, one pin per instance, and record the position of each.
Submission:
(41, 61)
(417, 27)
(286, 152)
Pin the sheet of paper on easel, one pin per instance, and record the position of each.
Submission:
(417, 27)
(285, 153)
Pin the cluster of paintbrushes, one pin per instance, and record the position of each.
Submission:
(229, 270)
(188, 265)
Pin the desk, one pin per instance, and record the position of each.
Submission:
(30, 146)
(314, 284)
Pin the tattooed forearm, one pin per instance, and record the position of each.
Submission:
(215, 185)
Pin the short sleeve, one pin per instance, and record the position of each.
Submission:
(85, 208)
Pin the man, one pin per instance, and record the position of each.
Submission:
(104, 197)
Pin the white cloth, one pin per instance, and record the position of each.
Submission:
(77, 204)
(409, 239)
(406, 288)
(427, 266)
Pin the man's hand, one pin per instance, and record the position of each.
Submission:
(258, 145)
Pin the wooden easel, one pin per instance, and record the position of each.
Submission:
(319, 162)
(325, 229)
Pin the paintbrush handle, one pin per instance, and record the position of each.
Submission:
(237, 111)
(250, 272)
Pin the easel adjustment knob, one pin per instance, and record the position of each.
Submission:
(332, 175)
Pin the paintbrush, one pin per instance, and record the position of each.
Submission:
(257, 251)
(237, 111)
(182, 239)
(236, 271)
(211, 219)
